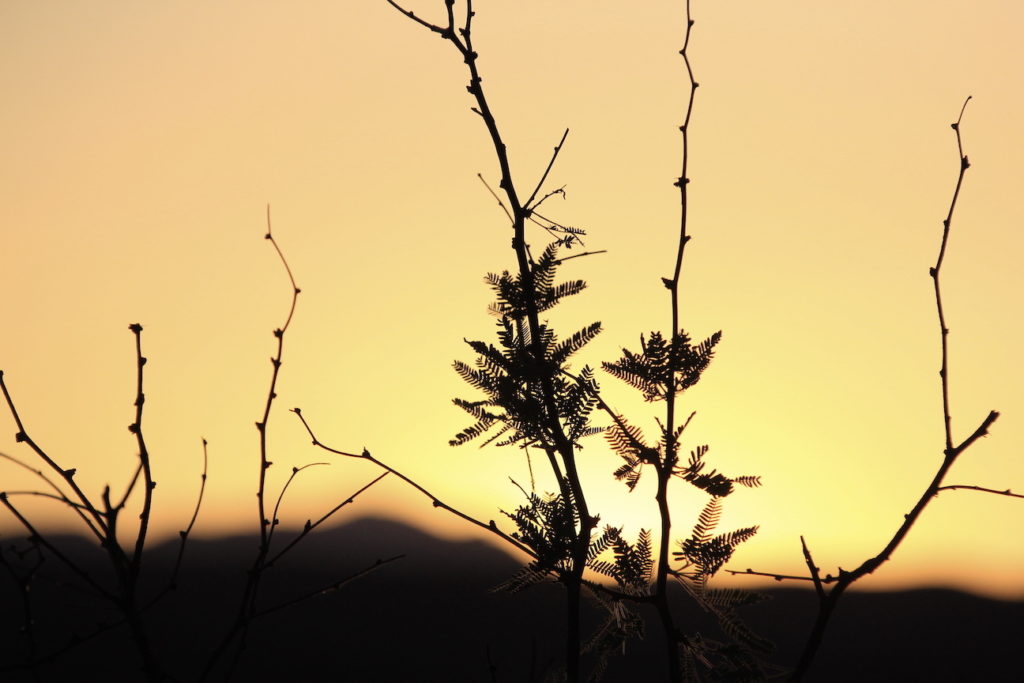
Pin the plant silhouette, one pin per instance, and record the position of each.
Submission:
(529, 391)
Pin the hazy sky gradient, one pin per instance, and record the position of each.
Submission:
(140, 143)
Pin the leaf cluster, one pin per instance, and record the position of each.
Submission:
(663, 367)
(632, 565)
(628, 441)
(703, 554)
(546, 525)
(712, 482)
(515, 374)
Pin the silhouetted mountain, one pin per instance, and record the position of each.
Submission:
(432, 617)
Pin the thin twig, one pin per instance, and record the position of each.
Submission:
(147, 471)
(274, 520)
(191, 523)
(437, 502)
(777, 576)
(528, 204)
(827, 601)
(1004, 492)
(79, 508)
(330, 588)
(310, 525)
(261, 426)
(496, 197)
(585, 253)
(37, 537)
(813, 569)
(547, 195)
(97, 524)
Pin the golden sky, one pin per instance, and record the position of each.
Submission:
(140, 143)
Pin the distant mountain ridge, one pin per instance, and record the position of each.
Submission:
(432, 616)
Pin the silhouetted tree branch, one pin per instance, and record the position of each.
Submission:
(827, 599)
(101, 521)
(550, 434)
(248, 609)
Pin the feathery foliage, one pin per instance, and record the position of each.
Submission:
(512, 374)
(664, 368)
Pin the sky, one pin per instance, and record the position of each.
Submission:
(140, 144)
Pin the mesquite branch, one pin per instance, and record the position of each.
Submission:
(827, 599)
(558, 446)
(101, 520)
(248, 609)
(489, 526)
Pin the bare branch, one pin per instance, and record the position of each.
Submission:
(585, 253)
(1004, 492)
(437, 502)
(444, 32)
(66, 474)
(310, 526)
(330, 588)
(261, 426)
(950, 454)
(144, 463)
(274, 521)
(528, 204)
(191, 523)
(496, 197)
(37, 537)
(815, 576)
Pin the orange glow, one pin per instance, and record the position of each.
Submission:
(141, 143)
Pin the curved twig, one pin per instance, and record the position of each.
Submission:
(971, 487)
(437, 502)
(827, 601)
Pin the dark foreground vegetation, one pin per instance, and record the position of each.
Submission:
(434, 619)
(86, 610)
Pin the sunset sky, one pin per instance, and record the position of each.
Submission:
(141, 142)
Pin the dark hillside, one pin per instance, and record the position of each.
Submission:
(431, 617)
